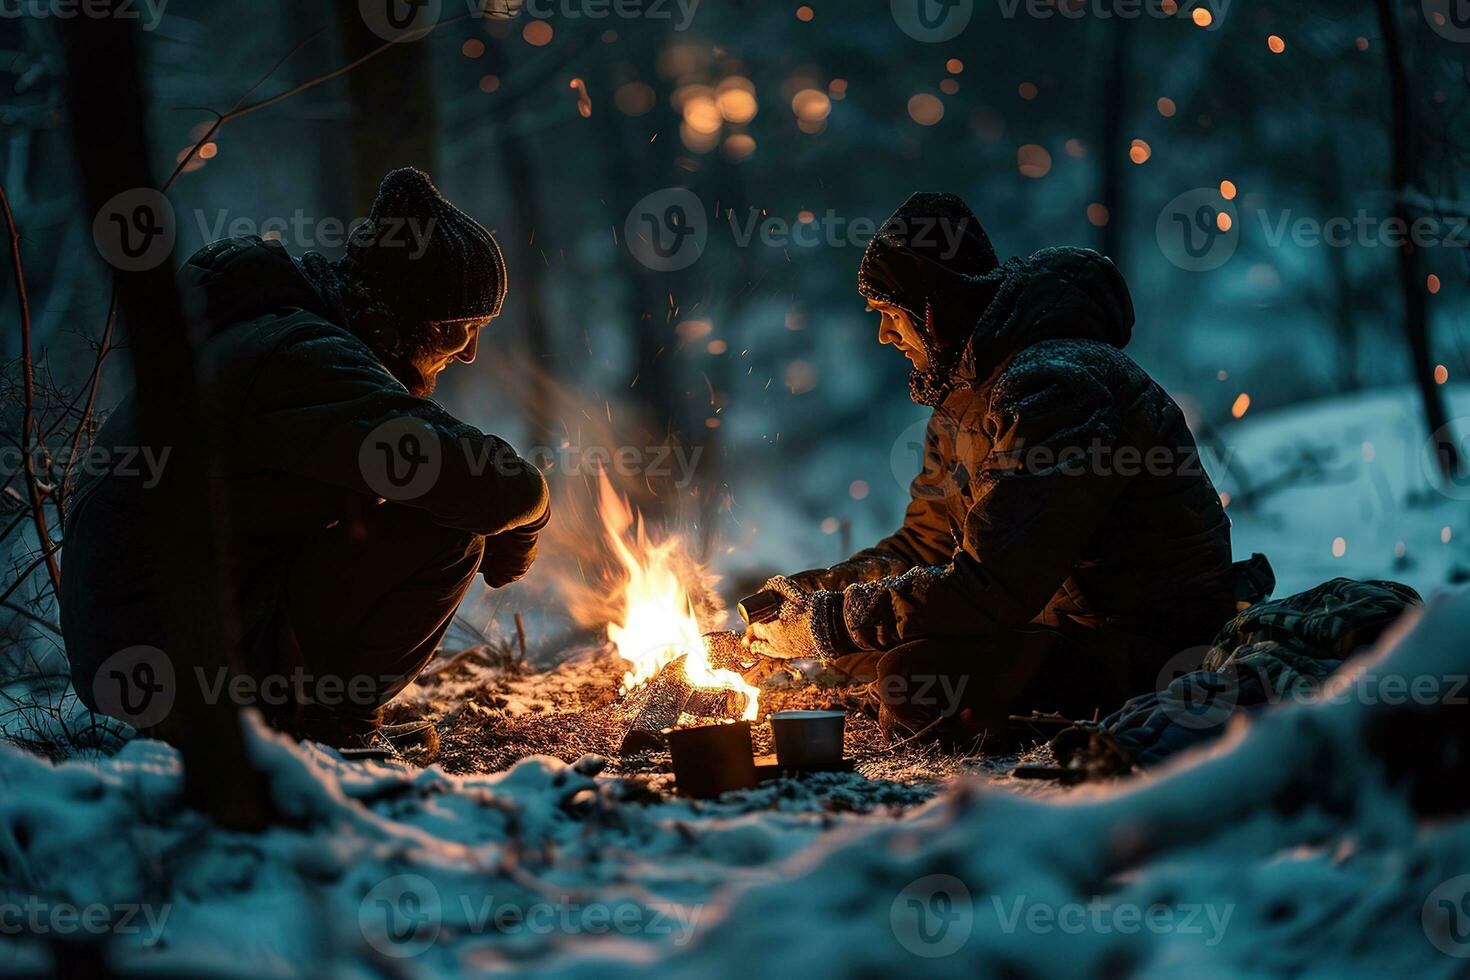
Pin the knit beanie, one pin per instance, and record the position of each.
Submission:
(424, 258)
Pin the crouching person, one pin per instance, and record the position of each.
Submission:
(1062, 542)
(360, 511)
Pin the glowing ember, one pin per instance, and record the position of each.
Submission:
(658, 619)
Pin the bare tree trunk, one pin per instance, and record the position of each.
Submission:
(184, 512)
(392, 98)
(528, 267)
(1411, 283)
(1114, 147)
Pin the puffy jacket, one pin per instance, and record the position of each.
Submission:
(293, 396)
(1061, 486)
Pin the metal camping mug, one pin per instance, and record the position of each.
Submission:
(808, 738)
(712, 759)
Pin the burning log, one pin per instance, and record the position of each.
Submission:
(664, 702)
(670, 694)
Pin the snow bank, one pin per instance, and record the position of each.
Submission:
(1284, 850)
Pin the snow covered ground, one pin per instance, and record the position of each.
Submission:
(1297, 848)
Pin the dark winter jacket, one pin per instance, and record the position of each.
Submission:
(1061, 485)
(294, 396)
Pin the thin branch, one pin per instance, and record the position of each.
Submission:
(28, 417)
(27, 614)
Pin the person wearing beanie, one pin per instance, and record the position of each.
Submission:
(1062, 541)
(361, 511)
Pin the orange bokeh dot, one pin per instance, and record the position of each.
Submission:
(1432, 283)
(537, 33)
(1166, 107)
(1097, 214)
(1276, 44)
(954, 66)
(1441, 374)
(1202, 17)
(1227, 190)
(489, 83)
(805, 14)
(949, 86)
(1222, 221)
(1027, 91)
(472, 48)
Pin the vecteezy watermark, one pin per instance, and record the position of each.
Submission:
(1454, 484)
(1198, 230)
(674, 463)
(410, 20)
(307, 231)
(1446, 917)
(1102, 916)
(932, 916)
(1192, 695)
(140, 685)
(135, 230)
(136, 685)
(403, 458)
(145, 463)
(36, 916)
(1209, 14)
(835, 231)
(667, 230)
(949, 459)
(1450, 19)
(931, 694)
(402, 916)
(148, 12)
(932, 21)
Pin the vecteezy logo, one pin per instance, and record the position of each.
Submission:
(932, 477)
(1446, 917)
(135, 229)
(932, 21)
(667, 230)
(1450, 19)
(1198, 231)
(932, 916)
(1454, 485)
(400, 20)
(135, 685)
(401, 916)
(1193, 697)
(401, 458)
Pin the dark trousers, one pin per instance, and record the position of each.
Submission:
(960, 690)
(363, 607)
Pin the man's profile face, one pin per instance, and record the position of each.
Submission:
(461, 341)
(898, 329)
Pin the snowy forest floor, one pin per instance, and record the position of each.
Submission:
(491, 712)
(1290, 849)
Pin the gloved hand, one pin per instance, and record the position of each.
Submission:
(802, 627)
(510, 554)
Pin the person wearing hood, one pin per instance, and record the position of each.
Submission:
(1062, 542)
(359, 509)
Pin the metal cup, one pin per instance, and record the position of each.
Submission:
(712, 759)
(808, 738)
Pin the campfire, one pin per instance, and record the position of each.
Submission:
(676, 667)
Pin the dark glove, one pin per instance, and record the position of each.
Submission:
(510, 554)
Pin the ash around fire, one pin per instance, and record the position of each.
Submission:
(492, 711)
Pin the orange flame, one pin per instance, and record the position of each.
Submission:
(658, 622)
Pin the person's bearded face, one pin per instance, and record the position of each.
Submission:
(460, 341)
